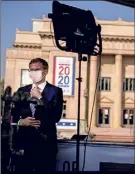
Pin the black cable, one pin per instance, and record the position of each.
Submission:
(86, 141)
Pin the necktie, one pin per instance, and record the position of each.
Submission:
(32, 106)
(33, 109)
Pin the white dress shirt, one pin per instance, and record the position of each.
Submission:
(40, 86)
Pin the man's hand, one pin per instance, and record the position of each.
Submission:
(30, 121)
(35, 92)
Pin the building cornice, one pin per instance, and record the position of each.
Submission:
(109, 42)
(26, 45)
(44, 34)
(50, 35)
(44, 19)
(118, 22)
(117, 38)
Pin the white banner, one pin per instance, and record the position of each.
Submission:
(63, 75)
(67, 124)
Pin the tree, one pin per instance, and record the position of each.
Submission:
(2, 87)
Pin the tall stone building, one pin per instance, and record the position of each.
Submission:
(113, 112)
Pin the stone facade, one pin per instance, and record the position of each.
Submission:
(117, 63)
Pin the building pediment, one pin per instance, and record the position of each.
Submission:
(106, 100)
(129, 100)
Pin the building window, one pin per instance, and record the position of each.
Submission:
(129, 84)
(25, 79)
(64, 109)
(128, 117)
(103, 117)
(105, 84)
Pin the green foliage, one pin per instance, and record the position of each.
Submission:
(2, 87)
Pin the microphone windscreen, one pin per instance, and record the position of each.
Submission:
(16, 97)
(7, 93)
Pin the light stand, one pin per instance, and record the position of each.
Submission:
(80, 37)
(78, 117)
(80, 59)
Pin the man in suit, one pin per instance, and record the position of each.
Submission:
(37, 133)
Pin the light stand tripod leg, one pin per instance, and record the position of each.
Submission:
(78, 118)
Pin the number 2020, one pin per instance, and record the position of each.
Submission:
(64, 70)
(64, 80)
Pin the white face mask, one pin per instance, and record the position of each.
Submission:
(36, 76)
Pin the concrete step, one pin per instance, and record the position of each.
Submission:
(114, 138)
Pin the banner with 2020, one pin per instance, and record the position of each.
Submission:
(64, 74)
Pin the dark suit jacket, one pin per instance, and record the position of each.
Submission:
(49, 114)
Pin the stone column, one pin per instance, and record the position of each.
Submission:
(118, 92)
(93, 81)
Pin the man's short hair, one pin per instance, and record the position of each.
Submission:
(42, 61)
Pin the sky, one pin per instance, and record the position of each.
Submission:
(19, 14)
